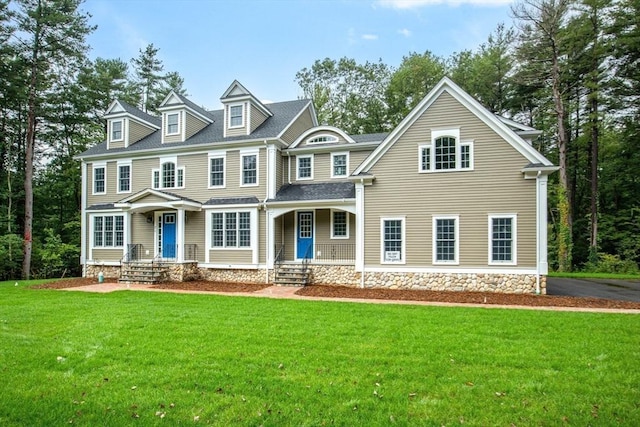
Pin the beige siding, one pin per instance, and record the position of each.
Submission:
(193, 125)
(105, 255)
(303, 122)
(194, 232)
(495, 186)
(235, 256)
(173, 138)
(141, 177)
(357, 157)
(117, 144)
(111, 180)
(279, 173)
(262, 237)
(322, 166)
(142, 233)
(137, 131)
(289, 235)
(235, 131)
(323, 228)
(257, 118)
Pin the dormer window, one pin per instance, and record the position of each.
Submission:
(172, 124)
(116, 130)
(236, 117)
(322, 139)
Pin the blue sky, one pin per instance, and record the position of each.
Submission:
(264, 43)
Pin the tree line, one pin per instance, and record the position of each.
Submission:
(568, 68)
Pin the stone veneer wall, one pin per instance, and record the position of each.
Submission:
(501, 283)
(110, 271)
(234, 275)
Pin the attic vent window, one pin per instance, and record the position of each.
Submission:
(235, 116)
(322, 139)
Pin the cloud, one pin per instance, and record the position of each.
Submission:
(369, 37)
(415, 4)
(405, 32)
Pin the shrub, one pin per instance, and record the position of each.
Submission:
(607, 263)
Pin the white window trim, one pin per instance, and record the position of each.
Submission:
(514, 239)
(223, 156)
(403, 258)
(345, 153)
(243, 154)
(118, 165)
(331, 139)
(173, 160)
(92, 230)
(166, 130)
(438, 133)
(333, 236)
(420, 149)
(298, 177)
(459, 159)
(253, 230)
(242, 108)
(456, 260)
(93, 180)
(111, 138)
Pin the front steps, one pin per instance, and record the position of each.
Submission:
(292, 275)
(142, 272)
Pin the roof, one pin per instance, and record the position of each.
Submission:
(136, 112)
(369, 137)
(232, 201)
(283, 115)
(101, 206)
(318, 191)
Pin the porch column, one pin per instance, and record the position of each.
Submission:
(127, 232)
(543, 265)
(180, 235)
(360, 227)
(270, 237)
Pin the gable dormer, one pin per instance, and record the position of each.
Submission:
(181, 118)
(127, 125)
(243, 113)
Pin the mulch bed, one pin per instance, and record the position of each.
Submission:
(381, 294)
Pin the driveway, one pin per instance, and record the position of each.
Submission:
(625, 290)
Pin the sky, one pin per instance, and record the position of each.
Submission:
(264, 43)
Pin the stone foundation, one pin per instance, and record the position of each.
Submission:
(343, 275)
(185, 272)
(109, 271)
(234, 275)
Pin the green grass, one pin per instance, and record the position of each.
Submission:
(141, 358)
(581, 275)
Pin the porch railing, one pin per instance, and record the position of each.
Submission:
(170, 252)
(133, 253)
(190, 252)
(279, 257)
(336, 252)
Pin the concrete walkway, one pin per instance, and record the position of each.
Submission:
(289, 292)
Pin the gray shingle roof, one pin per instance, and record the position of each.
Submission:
(100, 206)
(194, 106)
(283, 114)
(140, 114)
(232, 201)
(369, 137)
(318, 191)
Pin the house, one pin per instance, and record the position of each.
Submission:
(454, 198)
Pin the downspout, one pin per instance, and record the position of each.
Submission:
(538, 233)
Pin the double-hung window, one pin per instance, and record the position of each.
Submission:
(339, 165)
(502, 239)
(231, 229)
(249, 169)
(108, 231)
(392, 239)
(236, 117)
(124, 177)
(216, 171)
(339, 225)
(445, 152)
(116, 130)
(99, 179)
(169, 175)
(445, 239)
(173, 123)
(305, 167)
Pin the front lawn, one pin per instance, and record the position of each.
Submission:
(151, 358)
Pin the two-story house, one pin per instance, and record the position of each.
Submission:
(453, 198)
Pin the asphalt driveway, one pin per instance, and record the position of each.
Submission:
(625, 290)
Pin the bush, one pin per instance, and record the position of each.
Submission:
(607, 263)
(57, 258)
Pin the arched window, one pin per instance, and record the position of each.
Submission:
(322, 139)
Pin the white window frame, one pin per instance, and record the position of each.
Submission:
(244, 154)
(177, 124)
(92, 220)
(179, 170)
(456, 260)
(306, 178)
(122, 163)
(514, 239)
(222, 156)
(431, 146)
(112, 130)
(403, 254)
(252, 229)
(95, 167)
(323, 139)
(333, 166)
(333, 235)
(231, 107)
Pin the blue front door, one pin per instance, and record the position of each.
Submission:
(304, 248)
(169, 235)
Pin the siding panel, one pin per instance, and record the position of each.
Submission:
(304, 122)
